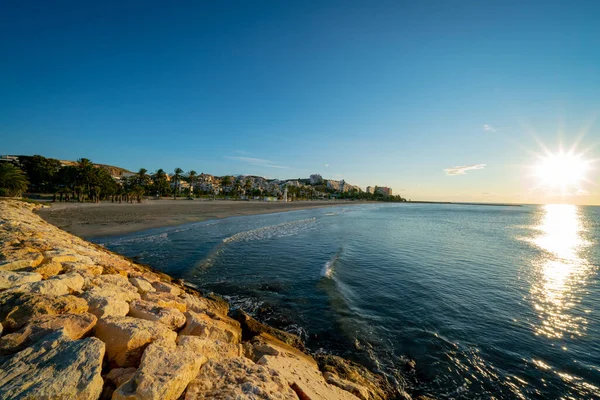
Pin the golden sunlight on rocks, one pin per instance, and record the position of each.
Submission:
(80, 322)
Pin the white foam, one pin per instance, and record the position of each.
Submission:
(328, 268)
(272, 231)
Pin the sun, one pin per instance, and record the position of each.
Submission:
(561, 170)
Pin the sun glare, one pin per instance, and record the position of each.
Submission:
(561, 171)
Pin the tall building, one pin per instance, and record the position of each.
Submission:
(370, 189)
(386, 191)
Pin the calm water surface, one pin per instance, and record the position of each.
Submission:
(491, 302)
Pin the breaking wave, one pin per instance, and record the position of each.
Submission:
(266, 232)
(272, 231)
(327, 271)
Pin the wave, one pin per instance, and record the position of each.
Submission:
(156, 239)
(271, 231)
(327, 271)
(266, 232)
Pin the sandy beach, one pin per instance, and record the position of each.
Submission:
(89, 220)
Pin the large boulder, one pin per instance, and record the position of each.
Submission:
(354, 378)
(74, 326)
(163, 374)
(142, 284)
(300, 370)
(59, 285)
(238, 378)
(203, 326)
(16, 309)
(171, 317)
(9, 279)
(60, 255)
(109, 296)
(18, 258)
(127, 337)
(210, 306)
(165, 287)
(251, 328)
(164, 299)
(210, 348)
(57, 368)
(49, 269)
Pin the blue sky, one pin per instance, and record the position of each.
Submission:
(392, 93)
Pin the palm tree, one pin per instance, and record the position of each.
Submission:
(13, 181)
(191, 178)
(85, 175)
(176, 180)
(141, 180)
(160, 182)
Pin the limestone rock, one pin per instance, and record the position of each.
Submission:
(354, 378)
(20, 258)
(127, 337)
(303, 377)
(9, 279)
(164, 373)
(166, 288)
(204, 305)
(119, 376)
(106, 306)
(165, 300)
(85, 268)
(238, 378)
(55, 369)
(203, 326)
(171, 317)
(60, 256)
(251, 328)
(142, 285)
(211, 349)
(48, 269)
(16, 309)
(56, 286)
(111, 297)
(74, 326)
(114, 280)
(298, 369)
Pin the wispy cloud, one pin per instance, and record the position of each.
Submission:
(326, 165)
(259, 162)
(244, 152)
(462, 169)
(489, 128)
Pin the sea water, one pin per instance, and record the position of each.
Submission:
(489, 301)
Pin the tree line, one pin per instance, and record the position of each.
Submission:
(84, 181)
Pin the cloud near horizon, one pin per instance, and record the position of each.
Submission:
(489, 128)
(259, 162)
(462, 169)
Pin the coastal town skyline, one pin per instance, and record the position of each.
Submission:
(394, 94)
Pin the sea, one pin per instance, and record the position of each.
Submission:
(451, 301)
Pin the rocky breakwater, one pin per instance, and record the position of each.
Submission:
(80, 322)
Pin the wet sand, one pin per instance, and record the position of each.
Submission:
(88, 220)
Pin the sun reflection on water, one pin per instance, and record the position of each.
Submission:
(561, 272)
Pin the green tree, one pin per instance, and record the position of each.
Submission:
(192, 176)
(160, 183)
(13, 181)
(41, 172)
(141, 181)
(177, 182)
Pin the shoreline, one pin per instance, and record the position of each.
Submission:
(136, 332)
(90, 220)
